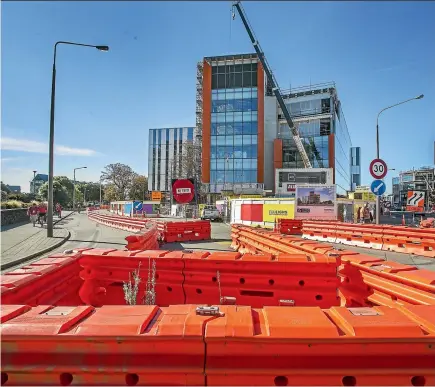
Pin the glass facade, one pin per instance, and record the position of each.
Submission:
(314, 136)
(165, 152)
(342, 152)
(234, 124)
(355, 166)
(314, 132)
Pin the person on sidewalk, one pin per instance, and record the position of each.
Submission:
(33, 213)
(59, 210)
(366, 214)
(42, 212)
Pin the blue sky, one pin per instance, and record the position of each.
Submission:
(378, 53)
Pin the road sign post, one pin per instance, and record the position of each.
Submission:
(378, 169)
(378, 187)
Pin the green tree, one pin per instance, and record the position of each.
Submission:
(60, 194)
(120, 176)
(138, 188)
(5, 188)
(110, 193)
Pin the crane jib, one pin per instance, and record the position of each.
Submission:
(274, 85)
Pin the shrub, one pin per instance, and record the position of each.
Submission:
(12, 204)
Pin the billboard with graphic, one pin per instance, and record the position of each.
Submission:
(286, 179)
(316, 202)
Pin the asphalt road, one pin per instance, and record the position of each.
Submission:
(85, 233)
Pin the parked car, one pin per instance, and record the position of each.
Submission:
(211, 213)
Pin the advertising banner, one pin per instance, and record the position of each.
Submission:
(278, 211)
(137, 207)
(316, 202)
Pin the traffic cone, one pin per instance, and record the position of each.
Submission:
(403, 220)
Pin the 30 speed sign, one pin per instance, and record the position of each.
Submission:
(378, 168)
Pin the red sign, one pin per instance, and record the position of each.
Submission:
(378, 168)
(183, 190)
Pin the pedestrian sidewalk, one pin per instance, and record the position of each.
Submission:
(21, 243)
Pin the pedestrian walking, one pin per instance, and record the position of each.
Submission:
(33, 213)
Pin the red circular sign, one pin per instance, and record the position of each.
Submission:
(378, 168)
(183, 191)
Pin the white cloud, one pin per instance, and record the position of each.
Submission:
(18, 144)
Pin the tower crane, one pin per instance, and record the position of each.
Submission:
(272, 81)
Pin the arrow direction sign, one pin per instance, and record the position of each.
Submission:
(378, 187)
(415, 201)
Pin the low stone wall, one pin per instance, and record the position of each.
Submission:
(13, 215)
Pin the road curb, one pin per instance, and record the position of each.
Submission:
(8, 265)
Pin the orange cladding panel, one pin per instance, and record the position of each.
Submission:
(331, 154)
(260, 159)
(206, 122)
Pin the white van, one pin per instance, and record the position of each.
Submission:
(210, 213)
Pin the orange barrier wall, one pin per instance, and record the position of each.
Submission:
(196, 230)
(366, 280)
(201, 277)
(54, 280)
(410, 240)
(150, 345)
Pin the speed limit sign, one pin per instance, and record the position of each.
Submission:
(378, 168)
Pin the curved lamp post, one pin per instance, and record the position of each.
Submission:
(378, 201)
(51, 144)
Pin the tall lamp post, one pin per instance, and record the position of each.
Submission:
(378, 200)
(74, 187)
(51, 145)
(33, 184)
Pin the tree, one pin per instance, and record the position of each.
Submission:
(121, 176)
(5, 188)
(60, 194)
(92, 191)
(191, 165)
(4, 195)
(138, 188)
(110, 193)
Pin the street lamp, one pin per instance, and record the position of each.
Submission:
(74, 187)
(51, 144)
(377, 144)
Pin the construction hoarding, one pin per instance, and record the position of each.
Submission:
(261, 212)
(316, 202)
(287, 179)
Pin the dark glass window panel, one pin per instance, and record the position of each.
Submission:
(214, 81)
(246, 67)
(214, 70)
(221, 81)
(238, 68)
(254, 80)
(247, 79)
(238, 81)
(221, 69)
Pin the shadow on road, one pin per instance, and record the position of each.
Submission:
(102, 242)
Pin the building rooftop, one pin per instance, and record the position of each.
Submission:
(231, 57)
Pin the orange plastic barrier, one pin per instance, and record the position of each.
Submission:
(149, 240)
(196, 230)
(260, 280)
(227, 345)
(122, 223)
(112, 345)
(290, 226)
(308, 346)
(201, 277)
(418, 241)
(54, 280)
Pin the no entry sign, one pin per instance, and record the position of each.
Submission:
(183, 190)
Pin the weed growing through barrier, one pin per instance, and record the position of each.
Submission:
(131, 288)
(150, 292)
